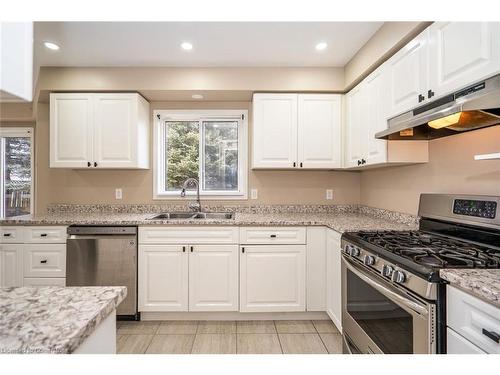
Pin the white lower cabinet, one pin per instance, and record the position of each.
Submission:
(456, 344)
(163, 278)
(190, 275)
(11, 265)
(333, 278)
(272, 278)
(44, 260)
(213, 278)
(476, 322)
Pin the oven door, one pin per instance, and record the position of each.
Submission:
(378, 317)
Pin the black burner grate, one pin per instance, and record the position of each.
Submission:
(434, 251)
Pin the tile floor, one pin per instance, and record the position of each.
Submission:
(229, 337)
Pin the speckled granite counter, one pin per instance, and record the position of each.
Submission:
(53, 319)
(481, 283)
(342, 221)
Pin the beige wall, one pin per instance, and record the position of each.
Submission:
(383, 44)
(98, 186)
(452, 169)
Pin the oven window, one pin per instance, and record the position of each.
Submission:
(387, 324)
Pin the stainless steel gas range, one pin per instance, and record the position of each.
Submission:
(393, 300)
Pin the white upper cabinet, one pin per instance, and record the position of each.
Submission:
(375, 88)
(462, 53)
(274, 130)
(319, 131)
(353, 127)
(297, 131)
(71, 130)
(108, 130)
(407, 72)
(16, 61)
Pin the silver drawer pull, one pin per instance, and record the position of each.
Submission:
(43, 261)
(492, 335)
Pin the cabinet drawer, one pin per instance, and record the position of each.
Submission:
(456, 344)
(469, 316)
(188, 235)
(45, 234)
(45, 260)
(11, 235)
(273, 235)
(44, 281)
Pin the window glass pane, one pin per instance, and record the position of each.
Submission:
(220, 144)
(17, 176)
(182, 140)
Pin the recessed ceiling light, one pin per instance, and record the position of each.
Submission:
(197, 96)
(186, 46)
(51, 46)
(321, 46)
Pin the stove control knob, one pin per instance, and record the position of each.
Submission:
(354, 251)
(369, 260)
(398, 277)
(348, 249)
(387, 270)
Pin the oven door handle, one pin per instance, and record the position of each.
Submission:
(386, 291)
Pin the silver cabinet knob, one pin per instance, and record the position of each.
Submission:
(369, 260)
(398, 277)
(387, 270)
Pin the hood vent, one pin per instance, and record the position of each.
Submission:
(475, 107)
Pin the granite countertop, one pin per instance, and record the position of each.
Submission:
(53, 319)
(482, 283)
(339, 221)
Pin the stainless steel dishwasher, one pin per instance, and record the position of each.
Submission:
(104, 256)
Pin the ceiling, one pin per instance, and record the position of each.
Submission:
(232, 44)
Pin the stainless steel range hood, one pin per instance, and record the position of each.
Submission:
(471, 108)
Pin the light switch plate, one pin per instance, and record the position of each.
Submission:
(118, 194)
(329, 194)
(254, 194)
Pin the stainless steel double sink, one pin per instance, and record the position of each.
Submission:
(193, 215)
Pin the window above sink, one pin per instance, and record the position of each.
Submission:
(208, 145)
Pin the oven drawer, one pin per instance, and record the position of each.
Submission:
(474, 319)
(11, 235)
(44, 260)
(50, 234)
(273, 235)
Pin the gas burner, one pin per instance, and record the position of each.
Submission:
(432, 250)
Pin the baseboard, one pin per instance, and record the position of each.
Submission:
(309, 315)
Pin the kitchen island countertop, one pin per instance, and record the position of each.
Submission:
(53, 319)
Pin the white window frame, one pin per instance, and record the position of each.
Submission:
(26, 132)
(159, 118)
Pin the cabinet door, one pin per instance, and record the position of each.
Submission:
(115, 129)
(462, 53)
(11, 265)
(163, 278)
(375, 117)
(319, 131)
(213, 278)
(272, 278)
(353, 126)
(71, 130)
(274, 130)
(408, 75)
(333, 278)
(456, 344)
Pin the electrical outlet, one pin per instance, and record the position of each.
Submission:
(329, 194)
(254, 194)
(118, 194)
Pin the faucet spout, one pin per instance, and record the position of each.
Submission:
(190, 182)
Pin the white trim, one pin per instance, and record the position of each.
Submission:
(233, 315)
(19, 132)
(200, 115)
